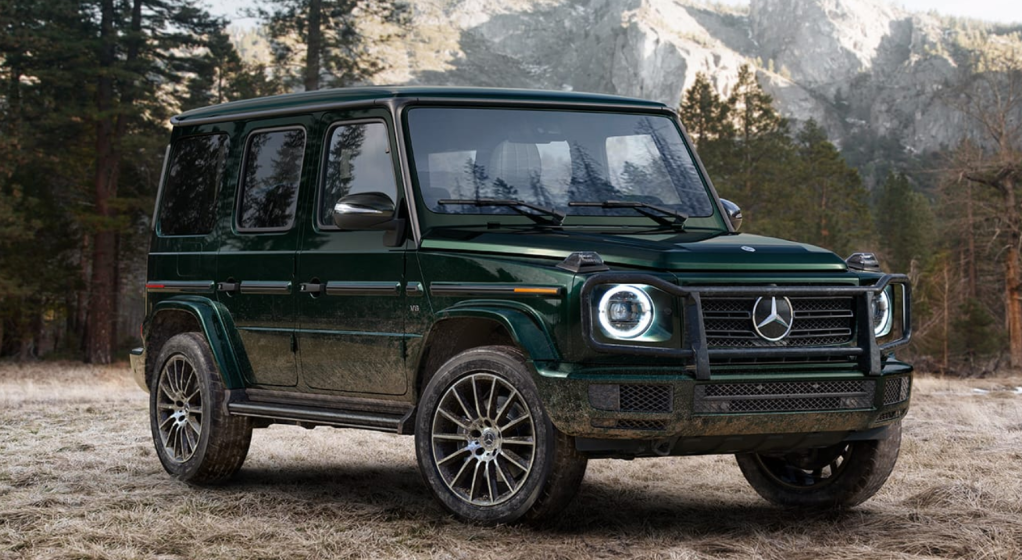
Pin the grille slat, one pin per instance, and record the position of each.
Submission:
(818, 322)
(785, 396)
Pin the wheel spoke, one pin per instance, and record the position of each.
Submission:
(475, 397)
(451, 417)
(489, 482)
(195, 426)
(514, 422)
(457, 397)
(475, 478)
(461, 471)
(452, 456)
(514, 459)
(507, 478)
(450, 437)
(489, 401)
(505, 406)
(519, 441)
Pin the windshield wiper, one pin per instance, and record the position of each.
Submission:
(545, 216)
(658, 214)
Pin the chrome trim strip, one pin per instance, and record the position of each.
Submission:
(265, 287)
(180, 286)
(414, 289)
(520, 290)
(363, 288)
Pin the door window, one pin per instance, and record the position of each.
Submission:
(270, 179)
(357, 160)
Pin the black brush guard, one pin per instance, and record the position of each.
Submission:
(694, 346)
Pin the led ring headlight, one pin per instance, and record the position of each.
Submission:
(625, 311)
(882, 314)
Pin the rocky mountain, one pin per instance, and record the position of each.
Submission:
(864, 69)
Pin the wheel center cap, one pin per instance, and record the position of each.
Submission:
(490, 439)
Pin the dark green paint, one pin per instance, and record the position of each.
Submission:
(367, 336)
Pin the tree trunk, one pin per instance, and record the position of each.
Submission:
(314, 46)
(98, 349)
(1012, 281)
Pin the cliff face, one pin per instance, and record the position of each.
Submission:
(856, 66)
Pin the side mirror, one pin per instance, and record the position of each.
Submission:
(361, 211)
(734, 213)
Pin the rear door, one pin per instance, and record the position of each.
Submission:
(351, 328)
(256, 263)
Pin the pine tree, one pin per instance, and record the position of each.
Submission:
(706, 116)
(317, 42)
(905, 225)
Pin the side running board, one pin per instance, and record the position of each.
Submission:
(344, 413)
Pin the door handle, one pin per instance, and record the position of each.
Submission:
(311, 288)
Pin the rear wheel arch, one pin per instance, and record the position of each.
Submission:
(198, 315)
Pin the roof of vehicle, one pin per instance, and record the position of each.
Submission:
(324, 98)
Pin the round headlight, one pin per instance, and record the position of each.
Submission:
(625, 311)
(882, 316)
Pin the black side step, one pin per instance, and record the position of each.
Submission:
(319, 412)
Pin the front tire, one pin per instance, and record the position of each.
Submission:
(196, 440)
(486, 447)
(840, 476)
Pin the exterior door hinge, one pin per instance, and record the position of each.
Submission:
(294, 343)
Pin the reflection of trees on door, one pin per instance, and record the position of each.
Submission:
(270, 194)
(345, 147)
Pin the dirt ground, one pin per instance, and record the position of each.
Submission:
(79, 479)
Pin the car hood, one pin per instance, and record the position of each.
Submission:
(688, 251)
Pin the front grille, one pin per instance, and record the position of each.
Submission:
(784, 396)
(817, 322)
(645, 398)
(641, 425)
(896, 390)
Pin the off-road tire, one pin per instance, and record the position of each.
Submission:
(869, 464)
(223, 441)
(557, 467)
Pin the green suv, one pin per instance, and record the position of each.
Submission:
(523, 280)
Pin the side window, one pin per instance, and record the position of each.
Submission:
(270, 179)
(188, 201)
(358, 160)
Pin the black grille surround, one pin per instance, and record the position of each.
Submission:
(783, 396)
(817, 322)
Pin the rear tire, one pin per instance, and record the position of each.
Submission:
(840, 476)
(196, 440)
(486, 447)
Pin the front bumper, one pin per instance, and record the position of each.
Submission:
(638, 413)
(137, 359)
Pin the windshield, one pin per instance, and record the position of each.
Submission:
(551, 159)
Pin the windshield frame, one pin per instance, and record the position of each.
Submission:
(426, 219)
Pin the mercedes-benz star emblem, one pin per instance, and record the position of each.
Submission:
(772, 318)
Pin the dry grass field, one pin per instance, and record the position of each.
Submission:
(79, 479)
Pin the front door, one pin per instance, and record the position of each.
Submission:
(351, 305)
(256, 263)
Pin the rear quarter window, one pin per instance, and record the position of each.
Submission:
(188, 201)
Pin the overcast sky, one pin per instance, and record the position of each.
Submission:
(1001, 11)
